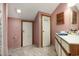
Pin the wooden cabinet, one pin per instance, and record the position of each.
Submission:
(65, 45)
(60, 18)
(63, 48)
(58, 48)
(63, 53)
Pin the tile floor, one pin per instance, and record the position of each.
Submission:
(33, 51)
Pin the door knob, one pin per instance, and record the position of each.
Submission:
(22, 31)
(43, 31)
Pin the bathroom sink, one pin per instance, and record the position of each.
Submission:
(62, 33)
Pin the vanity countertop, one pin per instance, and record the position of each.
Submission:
(71, 39)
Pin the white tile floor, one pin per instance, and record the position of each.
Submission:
(33, 51)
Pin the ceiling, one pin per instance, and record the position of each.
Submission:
(29, 10)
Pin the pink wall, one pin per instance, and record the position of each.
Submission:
(36, 30)
(67, 20)
(14, 40)
(5, 30)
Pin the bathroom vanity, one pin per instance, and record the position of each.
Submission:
(67, 45)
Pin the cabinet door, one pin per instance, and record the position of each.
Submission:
(58, 38)
(59, 51)
(63, 53)
(65, 46)
(58, 48)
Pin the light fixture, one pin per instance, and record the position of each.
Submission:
(18, 11)
(71, 4)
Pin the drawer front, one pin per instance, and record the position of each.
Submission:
(63, 53)
(58, 48)
(65, 46)
(59, 54)
(58, 38)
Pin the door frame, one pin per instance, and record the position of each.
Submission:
(48, 15)
(22, 31)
